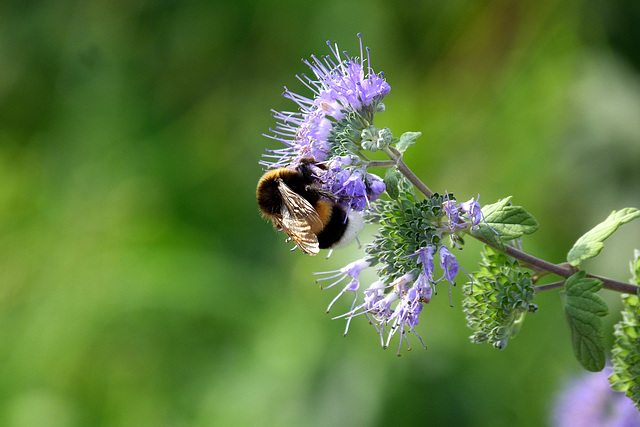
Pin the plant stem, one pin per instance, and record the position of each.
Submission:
(380, 163)
(538, 264)
(548, 286)
(616, 285)
(607, 283)
(396, 156)
(532, 262)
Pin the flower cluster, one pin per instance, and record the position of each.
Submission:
(334, 126)
(328, 141)
(626, 348)
(404, 250)
(460, 215)
(346, 95)
(347, 178)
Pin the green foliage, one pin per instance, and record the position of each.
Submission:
(626, 349)
(407, 140)
(391, 181)
(498, 299)
(510, 222)
(140, 286)
(374, 139)
(344, 138)
(590, 244)
(584, 309)
(405, 225)
(635, 268)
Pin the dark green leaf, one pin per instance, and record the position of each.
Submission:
(584, 309)
(590, 244)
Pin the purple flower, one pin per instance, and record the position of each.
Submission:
(449, 264)
(589, 401)
(343, 83)
(375, 186)
(452, 211)
(339, 84)
(422, 288)
(352, 271)
(473, 210)
(376, 306)
(381, 309)
(406, 315)
(354, 186)
(461, 214)
(372, 297)
(425, 257)
(355, 191)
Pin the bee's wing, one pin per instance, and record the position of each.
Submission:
(298, 219)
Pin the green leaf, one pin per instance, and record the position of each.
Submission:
(497, 300)
(635, 267)
(510, 222)
(407, 140)
(584, 309)
(590, 244)
(625, 354)
(391, 181)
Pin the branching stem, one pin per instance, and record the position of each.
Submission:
(396, 156)
(532, 262)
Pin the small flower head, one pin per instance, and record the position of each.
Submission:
(449, 264)
(346, 94)
(425, 258)
(375, 185)
(333, 125)
(451, 211)
(347, 178)
(406, 315)
(472, 209)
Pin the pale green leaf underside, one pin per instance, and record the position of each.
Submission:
(590, 244)
(407, 140)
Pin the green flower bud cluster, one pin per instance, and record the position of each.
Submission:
(374, 139)
(344, 137)
(406, 225)
(626, 349)
(497, 301)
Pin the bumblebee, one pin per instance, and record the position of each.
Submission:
(311, 216)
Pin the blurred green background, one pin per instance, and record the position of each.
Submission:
(139, 285)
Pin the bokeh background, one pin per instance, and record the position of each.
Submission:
(138, 284)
